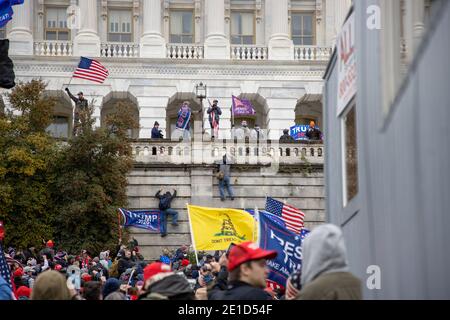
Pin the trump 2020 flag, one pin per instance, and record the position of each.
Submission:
(273, 235)
(242, 107)
(6, 10)
(216, 228)
(144, 219)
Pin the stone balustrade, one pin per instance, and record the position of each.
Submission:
(312, 53)
(263, 153)
(249, 52)
(184, 51)
(119, 50)
(53, 48)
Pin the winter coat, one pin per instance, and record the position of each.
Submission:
(238, 290)
(286, 138)
(217, 113)
(314, 134)
(80, 105)
(124, 264)
(325, 272)
(7, 75)
(171, 287)
(156, 134)
(167, 195)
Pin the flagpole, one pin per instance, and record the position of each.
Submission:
(120, 230)
(257, 226)
(192, 234)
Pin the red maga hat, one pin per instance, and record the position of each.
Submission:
(247, 251)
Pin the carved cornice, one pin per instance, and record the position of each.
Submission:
(117, 70)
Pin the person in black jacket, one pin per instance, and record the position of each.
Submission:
(156, 133)
(164, 205)
(247, 274)
(125, 262)
(313, 132)
(214, 114)
(7, 76)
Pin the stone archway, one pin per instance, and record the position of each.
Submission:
(308, 108)
(110, 103)
(173, 106)
(62, 124)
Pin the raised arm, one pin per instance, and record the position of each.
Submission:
(157, 194)
(75, 99)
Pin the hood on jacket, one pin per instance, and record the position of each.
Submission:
(171, 286)
(323, 251)
(111, 285)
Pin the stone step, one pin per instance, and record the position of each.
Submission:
(244, 202)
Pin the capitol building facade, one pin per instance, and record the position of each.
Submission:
(271, 52)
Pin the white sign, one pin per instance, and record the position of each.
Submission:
(346, 64)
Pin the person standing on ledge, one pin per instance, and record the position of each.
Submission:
(81, 104)
(214, 113)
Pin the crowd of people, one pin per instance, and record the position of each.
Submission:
(240, 133)
(236, 274)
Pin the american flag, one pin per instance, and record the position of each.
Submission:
(292, 217)
(91, 70)
(5, 272)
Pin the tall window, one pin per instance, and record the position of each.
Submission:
(302, 28)
(350, 155)
(242, 28)
(181, 27)
(56, 24)
(120, 28)
(59, 128)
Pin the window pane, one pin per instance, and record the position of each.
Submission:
(247, 40)
(113, 37)
(52, 17)
(307, 25)
(126, 37)
(187, 22)
(174, 38)
(63, 35)
(50, 35)
(235, 40)
(187, 39)
(176, 22)
(307, 41)
(296, 24)
(247, 24)
(235, 23)
(351, 154)
(297, 41)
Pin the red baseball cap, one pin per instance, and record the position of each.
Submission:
(58, 267)
(23, 292)
(155, 268)
(18, 272)
(185, 262)
(247, 251)
(50, 243)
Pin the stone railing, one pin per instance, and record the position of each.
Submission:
(249, 52)
(263, 153)
(184, 51)
(119, 50)
(312, 53)
(53, 48)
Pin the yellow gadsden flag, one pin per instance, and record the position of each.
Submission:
(216, 228)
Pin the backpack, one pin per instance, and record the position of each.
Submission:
(164, 203)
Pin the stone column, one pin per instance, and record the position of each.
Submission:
(21, 35)
(87, 41)
(336, 12)
(281, 46)
(216, 44)
(153, 44)
(414, 26)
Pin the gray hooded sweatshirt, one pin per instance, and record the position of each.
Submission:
(325, 272)
(323, 251)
